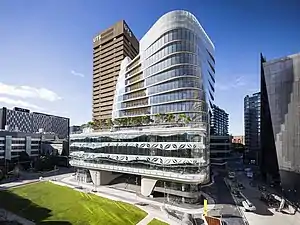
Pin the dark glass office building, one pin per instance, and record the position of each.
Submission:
(252, 122)
(218, 121)
(22, 120)
(280, 122)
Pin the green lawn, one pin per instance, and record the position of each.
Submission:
(157, 222)
(47, 203)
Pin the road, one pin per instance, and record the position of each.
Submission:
(263, 214)
(225, 205)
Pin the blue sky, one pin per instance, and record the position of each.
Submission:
(46, 47)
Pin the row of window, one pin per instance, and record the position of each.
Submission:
(187, 106)
(146, 165)
(135, 86)
(135, 70)
(130, 150)
(180, 82)
(139, 102)
(177, 95)
(176, 34)
(172, 48)
(135, 112)
(182, 70)
(143, 138)
(135, 94)
(178, 58)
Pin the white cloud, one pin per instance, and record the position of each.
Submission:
(18, 103)
(77, 74)
(238, 82)
(29, 92)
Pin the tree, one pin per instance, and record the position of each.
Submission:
(97, 125)
(170, 118)
(146, 119)
(157, 118)
(181, 118)
(188, 119)
(90, 124)
(108, 123)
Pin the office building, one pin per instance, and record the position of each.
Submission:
(161, 105)
(25, 148)
(220, 140)
(109, 49)
(252, 125)
(219, 121)
(12, 144)
(22, 120)
(280, 122)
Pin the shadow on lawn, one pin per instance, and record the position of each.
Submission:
(27, 209)
(55, 223)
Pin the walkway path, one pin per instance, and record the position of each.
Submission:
(132, 198)
(146, 220)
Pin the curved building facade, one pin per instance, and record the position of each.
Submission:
(173, 74)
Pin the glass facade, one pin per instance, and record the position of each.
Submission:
(218, 121)
(173, 151)
(252, 107)
(280, 116)
(174, 73)
(176, 63)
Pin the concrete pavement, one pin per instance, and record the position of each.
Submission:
(225, 204)
(263, 214)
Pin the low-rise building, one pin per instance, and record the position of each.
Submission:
(19, 147)
(220, 149)
(239, 139)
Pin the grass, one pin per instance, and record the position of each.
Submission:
(157, 222)
(47, 203)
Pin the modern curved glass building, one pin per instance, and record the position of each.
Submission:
(173, 74)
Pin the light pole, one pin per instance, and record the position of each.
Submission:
(164, 193)
(136, 183)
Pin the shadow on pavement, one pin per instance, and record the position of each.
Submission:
(27, 209)
(228, 216)
(262, 209)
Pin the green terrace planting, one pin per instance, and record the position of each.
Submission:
(170, 118)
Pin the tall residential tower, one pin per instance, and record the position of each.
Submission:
(252, 122)
(109, 49)
(219, 121)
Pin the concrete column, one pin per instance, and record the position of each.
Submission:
(183, 189)
(28, 145)
(147, 186)
(8, 141)
(100, 177)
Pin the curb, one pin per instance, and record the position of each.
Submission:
(235, 201)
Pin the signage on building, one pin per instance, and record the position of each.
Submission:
(127, 30)
(21, 110)
(97, 38)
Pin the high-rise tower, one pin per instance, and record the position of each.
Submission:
(109, 49)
